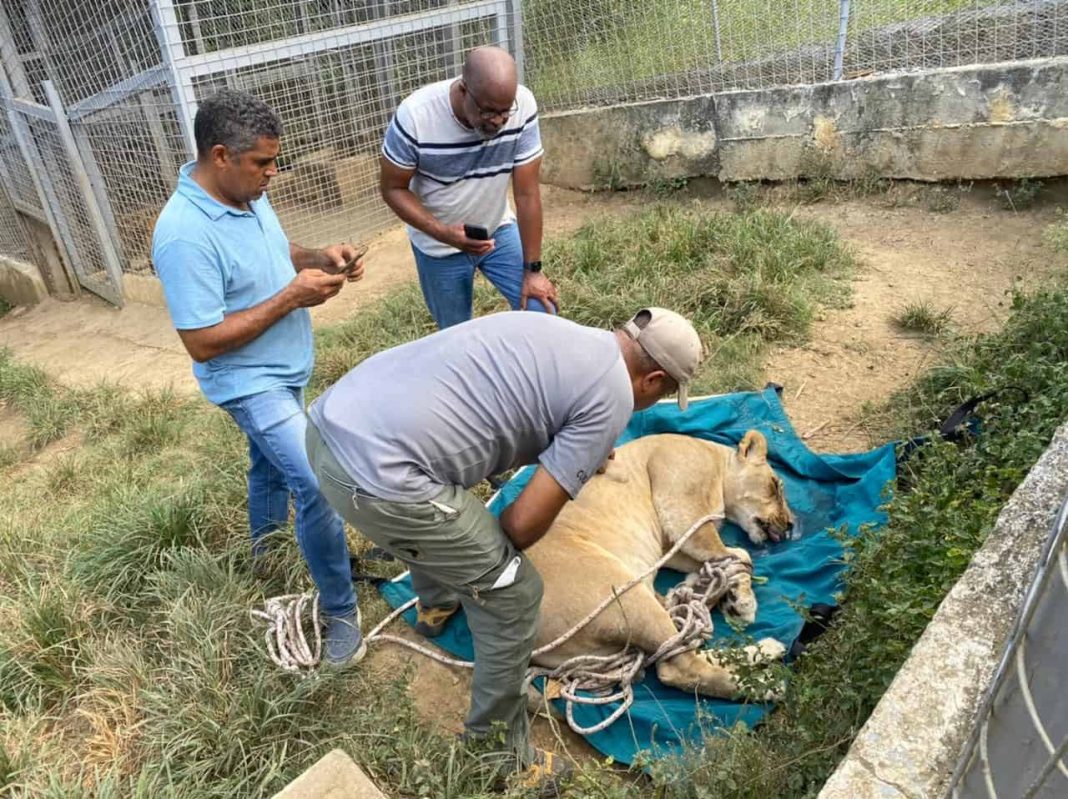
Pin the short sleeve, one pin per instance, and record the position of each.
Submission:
(581, 447)
(401, 147)
(193, 283)
(529, 146)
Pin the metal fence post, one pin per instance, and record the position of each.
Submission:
(112, 264)
(501, 33)
(9, 57)
(384, 62)
(843, 30)
(97, 184)
(456, 58)
(165, 21)
(517, 39)
(715, 25)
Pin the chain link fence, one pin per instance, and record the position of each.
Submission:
(97, 99)
(97, 102)
(602, 52)
(1019, 746)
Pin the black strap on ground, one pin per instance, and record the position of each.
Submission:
(373, 554)
(960, 422)
(376, 553)
(950, 429)
(820, 617)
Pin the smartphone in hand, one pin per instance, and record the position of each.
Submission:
(476, 232)
(351, 263)
(346, 267)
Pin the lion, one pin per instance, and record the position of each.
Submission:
(653, 490)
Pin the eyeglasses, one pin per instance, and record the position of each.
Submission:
(488, 113)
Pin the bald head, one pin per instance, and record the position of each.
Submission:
(490, 72)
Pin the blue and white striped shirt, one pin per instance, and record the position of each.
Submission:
(460, 177)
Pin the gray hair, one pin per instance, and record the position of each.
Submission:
(235, 120)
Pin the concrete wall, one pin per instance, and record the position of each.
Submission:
(1002, 120)
(913, 740)
(21, 283)
(26, 283)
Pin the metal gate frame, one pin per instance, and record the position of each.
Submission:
(1038, 767)
(55, 147)
(185, 68)
(75, 157)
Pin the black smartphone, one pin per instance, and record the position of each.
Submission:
(476, 232)
(347, 266)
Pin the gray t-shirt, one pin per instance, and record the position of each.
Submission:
(476, 399)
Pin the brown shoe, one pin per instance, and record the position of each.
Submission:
(545, 777)
(430, 622)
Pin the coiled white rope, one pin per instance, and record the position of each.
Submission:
(689, 604)
(287, 645)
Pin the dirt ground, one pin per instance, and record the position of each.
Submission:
(964, 261)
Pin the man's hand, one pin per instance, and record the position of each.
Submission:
(454, 236)
(346, 259)
(313, 287)
(536, 285)
(604, 466)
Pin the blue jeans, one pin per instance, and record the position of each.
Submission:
(275, 424)
(448, 282)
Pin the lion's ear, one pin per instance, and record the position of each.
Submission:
(754, 447)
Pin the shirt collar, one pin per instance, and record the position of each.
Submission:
(192, 191)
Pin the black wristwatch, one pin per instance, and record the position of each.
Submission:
(532, 266)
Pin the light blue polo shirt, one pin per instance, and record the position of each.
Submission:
(214, 260)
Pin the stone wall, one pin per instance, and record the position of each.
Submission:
(913, 740)
(993, 121)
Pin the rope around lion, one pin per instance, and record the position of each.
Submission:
(689, 605)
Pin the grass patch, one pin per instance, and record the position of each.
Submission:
(941, 200)
(1055, 235)
(744, 279)
(1019, 195)
(10, 454)
(28, 390)
(924, 318)
(819, 181)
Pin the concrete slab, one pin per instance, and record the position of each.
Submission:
(975, 122)
(334, 776)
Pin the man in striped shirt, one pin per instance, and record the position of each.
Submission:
(449, 154)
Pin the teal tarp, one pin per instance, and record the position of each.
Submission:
(825, 491)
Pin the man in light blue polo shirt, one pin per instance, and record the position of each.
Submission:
(238, 292)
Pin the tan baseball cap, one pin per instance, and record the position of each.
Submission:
(671, 341)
